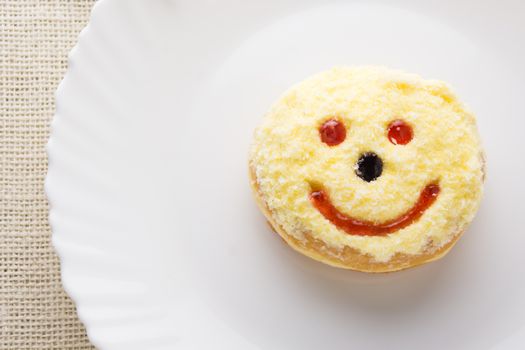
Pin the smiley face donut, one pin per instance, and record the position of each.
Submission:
(368, 168)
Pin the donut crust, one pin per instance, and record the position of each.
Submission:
(288, 160)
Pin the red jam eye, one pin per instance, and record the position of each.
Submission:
(332, 132)
(399, 132)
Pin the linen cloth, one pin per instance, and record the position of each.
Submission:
(35, 38)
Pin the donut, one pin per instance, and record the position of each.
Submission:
(368, 168)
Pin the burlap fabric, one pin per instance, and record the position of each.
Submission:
(35, 38)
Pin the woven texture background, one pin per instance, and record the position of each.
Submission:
(35, 38)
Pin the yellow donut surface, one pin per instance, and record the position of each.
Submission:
(288, 160)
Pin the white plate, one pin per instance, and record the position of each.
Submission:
(162, 246)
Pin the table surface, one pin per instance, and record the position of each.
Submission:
(35, 38)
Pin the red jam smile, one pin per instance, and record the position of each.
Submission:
(353, 226)
(333, 132)
(399, 132)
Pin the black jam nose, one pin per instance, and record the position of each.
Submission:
(369, 166)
